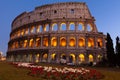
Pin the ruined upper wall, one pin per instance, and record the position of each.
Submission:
(53, 11)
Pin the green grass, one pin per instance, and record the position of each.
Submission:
(9, 72)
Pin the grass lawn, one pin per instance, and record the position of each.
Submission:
(9, 72)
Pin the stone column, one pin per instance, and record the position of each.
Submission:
(59, 26)
(85, 27)
(67, 41)
(58, 41)
(76, 26)
(49, 57)
(95, 42)
(67, 26)
(86, 42)
(76, 37)
(41, 38)
(77, 58)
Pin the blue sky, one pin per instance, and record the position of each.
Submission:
(106, 13)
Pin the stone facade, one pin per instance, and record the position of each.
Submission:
(56, 31)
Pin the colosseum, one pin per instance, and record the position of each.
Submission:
(54, 32)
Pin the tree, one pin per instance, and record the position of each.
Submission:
(118, 51)
(110, 51)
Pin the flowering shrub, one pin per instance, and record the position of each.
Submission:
(54, 73)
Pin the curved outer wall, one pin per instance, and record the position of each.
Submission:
(55, 32)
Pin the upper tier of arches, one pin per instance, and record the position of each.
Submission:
(53, 27)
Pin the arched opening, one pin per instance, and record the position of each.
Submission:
(24, 58)
(99, 57)
(54, 27)
(25, 43)
(46, 27)
(63, 27)
(99, 42)
(32, 29)
(54, 41)
(38, 29)
(81, 42)
(37, 58)
(41, 28)
(72, 58)
(80, 27)
(90, 42)
(22, 32)
(44, 57)
(31, 43)
(21, 44)
(63, 41)
(16, 45)
(90, 58)
(81, 58)
(89, 27)
(26, 31)
(18, 33)
(45, 42)
(37, 42)
(72, 42)
(30, 57)
(72, 26)
(53, 57)
(63, 56)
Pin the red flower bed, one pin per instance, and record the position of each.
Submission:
(54, 73)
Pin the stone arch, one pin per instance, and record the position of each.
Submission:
(22, 32)
(63, 26)
(25, 43)
(26, 31)
(31, 43)
(30, 58)
(37, 42)
(45, 41)
(44, 57)
(16, 44)
(91, 58)
(81, 42)
(72, 58)
(81, 58)
(37, 58)
(72, 42)
(18, 33)
(63, 42)
(90, 42)
(54, 41)
(80, 27)
(99, 42)
(89, 27)
(32, 29)
(54, 27)
(99, 57)
(53, 57)
(72, 26)
(39, 28)
(46, 27)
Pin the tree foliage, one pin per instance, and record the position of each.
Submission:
(110, 51)
(118, 51)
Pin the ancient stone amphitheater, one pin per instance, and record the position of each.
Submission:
(55, 32)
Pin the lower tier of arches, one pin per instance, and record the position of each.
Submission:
(56, 56)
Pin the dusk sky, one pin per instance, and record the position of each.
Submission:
(106, 13)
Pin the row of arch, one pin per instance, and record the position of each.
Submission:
(55, 41)
(54, 27)
(72, 58)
